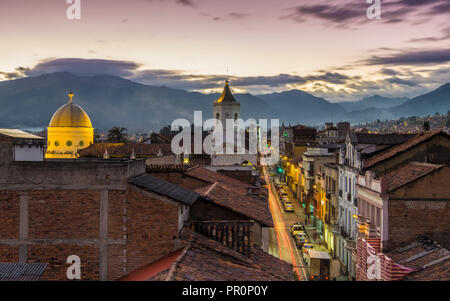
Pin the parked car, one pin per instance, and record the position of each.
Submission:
(297, 228)
(301, 241)
(288, 207)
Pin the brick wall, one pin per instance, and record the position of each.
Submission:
(420, 207)
(152, 228)
(9, 215)
(140, 228)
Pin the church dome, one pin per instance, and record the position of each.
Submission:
(70, 115)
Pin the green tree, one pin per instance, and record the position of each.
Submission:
(426, 126)
(117, 135)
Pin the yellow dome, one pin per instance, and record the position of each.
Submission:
(70, 115)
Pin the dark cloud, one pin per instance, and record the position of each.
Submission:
(229, 16)
(354, 13)
(399, 81)
(19, 73)
(84, 67)
(411, 57)
(189, 3)
(445, 36)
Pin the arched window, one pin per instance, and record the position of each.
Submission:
(69, 143)
(235, 116)
(217, 116)
(81, 143)
(56, 143)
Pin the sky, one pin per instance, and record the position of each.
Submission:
(329, 48)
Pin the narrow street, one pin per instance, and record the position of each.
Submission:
(282, 244)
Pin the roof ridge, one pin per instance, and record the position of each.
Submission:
(171, 274)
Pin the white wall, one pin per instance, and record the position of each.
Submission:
(28, 153)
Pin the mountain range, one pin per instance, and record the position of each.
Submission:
(113, 101)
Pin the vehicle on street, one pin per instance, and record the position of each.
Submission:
(301, 240)
(297, 228)
(318, 264)
(288, 207)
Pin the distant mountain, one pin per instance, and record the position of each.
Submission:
(375, 101)
(109, 101)
(113, 101)
(430, 103)
(296, 106)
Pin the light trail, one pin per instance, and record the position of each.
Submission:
(280, 227)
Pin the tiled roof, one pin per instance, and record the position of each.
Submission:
(120, 150)
(408, 173)
(207, 260)
(18, 134)
(394, 150)
(162, 187)
(253, 208)
(431, 260)
(212, 177)
(156, 269)
(387, 139)
(21, 271)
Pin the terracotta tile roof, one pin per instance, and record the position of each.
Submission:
(407, 174)
(254, 208)
(157, 269)
(394, 150)
(207, 260)
(121, 150)
(430, 259)
(212, 177)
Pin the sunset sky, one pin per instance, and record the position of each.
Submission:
(329, 48)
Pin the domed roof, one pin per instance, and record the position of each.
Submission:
(70, 115)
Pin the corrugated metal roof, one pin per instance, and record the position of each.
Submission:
(21, 271)
(18, 134)
(160, 186)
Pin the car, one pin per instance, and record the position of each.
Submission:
(285, 200)
(301, 241)
(307, 246)
(297, 228)
(288, 207)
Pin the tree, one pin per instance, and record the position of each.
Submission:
(426, 126)
(117, 135)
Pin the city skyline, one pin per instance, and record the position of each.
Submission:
(195, 45)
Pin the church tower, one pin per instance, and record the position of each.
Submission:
(226, 107)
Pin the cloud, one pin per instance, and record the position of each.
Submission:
(84, 67)
(229, 16)
(19, 73)
(398, 81)
(189, 3)
(349, 14)
(445, 36)
(411, 57)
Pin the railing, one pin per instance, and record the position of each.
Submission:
(235, 235)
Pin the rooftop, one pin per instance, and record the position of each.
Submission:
(120, 150)
(430, 260)
(385, 139)
(21, 271)
(253, 208)
(162, 187)
(408, 173)
(21, 136)
(391, 152)
(203, 259)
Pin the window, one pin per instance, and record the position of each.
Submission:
(81, 143)
(235, 117)
(217, 116)
(56, 143)
(48, 143)
(69, 143)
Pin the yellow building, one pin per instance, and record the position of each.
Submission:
(69, 131)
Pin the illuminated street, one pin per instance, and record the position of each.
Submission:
(282, 243)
